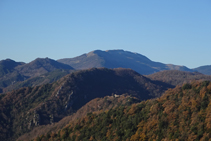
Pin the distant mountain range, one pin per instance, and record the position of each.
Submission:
(119, 59)
(17, 74)
(14, 75)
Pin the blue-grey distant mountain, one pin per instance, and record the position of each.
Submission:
(13, 73)
(8, 66)
(40, 66)
(119, 58)
(8, 73)
(204, 69)
(175, 77)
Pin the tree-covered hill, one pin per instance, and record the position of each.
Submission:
(182, 113)
(97, 106)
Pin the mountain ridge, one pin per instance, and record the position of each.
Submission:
(7, 66)
(175, 77)
(204, 69)
(41, 66)
(12, 72)
(114, 59)
(119, 58)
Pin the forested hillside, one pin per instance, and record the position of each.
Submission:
(97, 105)
(24, 109)
(183, 113)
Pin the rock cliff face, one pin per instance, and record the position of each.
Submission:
(24, 109)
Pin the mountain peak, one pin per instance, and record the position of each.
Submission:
(40, 66)
(204, 69)
(9, 64)
(113, 59)
(43, 59)
(6, 61)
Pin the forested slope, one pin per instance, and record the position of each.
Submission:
(183, 113)
(27, 108)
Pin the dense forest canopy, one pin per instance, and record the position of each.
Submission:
(183, 113)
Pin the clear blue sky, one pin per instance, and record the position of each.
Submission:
(168, 31)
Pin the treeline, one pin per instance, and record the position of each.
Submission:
(182, 113)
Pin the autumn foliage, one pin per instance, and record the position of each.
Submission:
(182, 113)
